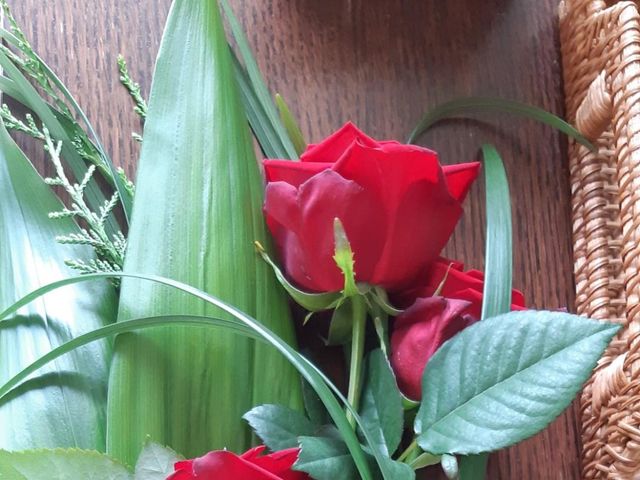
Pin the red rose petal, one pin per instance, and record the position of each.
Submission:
(405, 209)
(412, 242)
(183, 471)
(224, 465)
(293, 173)
(460, 177)
(280, 463)
(411, 186)
(303, 228)
(459, 284)
(418, 333)
(334, 146)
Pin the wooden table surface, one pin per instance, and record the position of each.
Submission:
(380, 64)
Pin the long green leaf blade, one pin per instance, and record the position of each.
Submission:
(257, 82)
(199, 201)
(291, 126)
(66, 406)
(463, 106)
(268, 139)
(499, 238)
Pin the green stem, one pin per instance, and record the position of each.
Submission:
(410, 449)
(424, 460)
(357, 353)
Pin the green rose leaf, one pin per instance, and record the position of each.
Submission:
(325, 458)
(382, 412)
(155, 462)
(279, 427)
(60, 463)
(506, 378)
(316, 411)
(399, 470)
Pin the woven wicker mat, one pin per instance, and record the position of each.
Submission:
(600, 44)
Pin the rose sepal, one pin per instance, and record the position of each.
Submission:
(313, 302)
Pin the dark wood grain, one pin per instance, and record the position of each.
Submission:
(379, 63)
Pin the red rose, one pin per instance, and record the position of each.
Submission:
(458, 284)
(397, 204)
(251, 465)
(418, 333)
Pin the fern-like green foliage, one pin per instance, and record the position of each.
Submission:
(31, 65)
(92, 218)
(27, 126)
(132, 87)
(109, 249)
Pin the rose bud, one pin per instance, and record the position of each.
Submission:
(397, 204)
(251, 465)
(419, 332)
(458, 284)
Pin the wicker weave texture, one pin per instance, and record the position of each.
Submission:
(600, 44)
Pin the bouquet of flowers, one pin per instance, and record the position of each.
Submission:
(147, 330)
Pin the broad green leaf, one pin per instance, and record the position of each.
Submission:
(290, 124)
(155, 462)
(247, 326)
(60, 464)
(316, 411)
(506, 378)
(65, 405)
(463, 106)
(198, 202)
(325, 458)
(314, 302)
(399, 470)
(279, 427)
(257, 83)
(381, 409)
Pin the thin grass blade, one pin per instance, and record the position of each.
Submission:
(239, 321)
(290, 124)
(498, 267)
(257, 82)
(464, 106)
(268, 139)
(498, 250)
